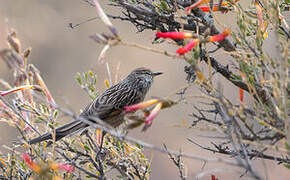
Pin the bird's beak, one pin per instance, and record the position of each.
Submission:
(157, 73)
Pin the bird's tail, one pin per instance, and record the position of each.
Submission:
(61, 132)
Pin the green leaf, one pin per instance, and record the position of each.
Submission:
(262, 123)
(138, 146)
(236, 77)
(51, 125)
(86, 76)
(163, 5)
(78, 78)
(55, 114)
(86, 147)
(40, 119)
(287, 146)
(286, 166)
(91, 73)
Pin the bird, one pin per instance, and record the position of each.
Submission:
(108, 106)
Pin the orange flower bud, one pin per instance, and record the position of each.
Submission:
(20, 88)
(200, 76)
(187, 47)
(174, 35)
(219, 37)
(241, 93)
(2, 162)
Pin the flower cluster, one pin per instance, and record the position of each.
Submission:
(26, 79)
(142, 105)
(219, 37)
(194, 42)
(195, 5)
(187, 47)
(39, 169)
(160, 103)
(223, 7)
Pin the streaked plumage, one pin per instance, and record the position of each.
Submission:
(109, 105)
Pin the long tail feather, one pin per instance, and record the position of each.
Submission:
(61, 132)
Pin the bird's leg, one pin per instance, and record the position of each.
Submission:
(101, 144)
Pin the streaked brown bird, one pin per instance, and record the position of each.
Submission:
(109, 105)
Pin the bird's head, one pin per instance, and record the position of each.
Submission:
(143, 77)
(144, 74)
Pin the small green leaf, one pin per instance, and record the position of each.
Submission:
(163, 5)
(55, 114)
(51, 126)
(286, 166)
(86, 147)
(91, 73)
(138, 146)
(78, 78)
(287, 146)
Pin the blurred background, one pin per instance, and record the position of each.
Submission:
(59, 52)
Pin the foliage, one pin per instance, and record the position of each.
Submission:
(257, 126)
(34, 112)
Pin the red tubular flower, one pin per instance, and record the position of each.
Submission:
(219, 37)
(140, 105)
(174, 35)
(213, 177)
(207, 9)
(187, 47)
(20, 88)
(153, 114)
(64, 167)
(241, 93)
(187, 9)
(215, 7)
(36, 168)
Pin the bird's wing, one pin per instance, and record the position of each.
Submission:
(109, 105)
(102, 111)
(111, 102)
